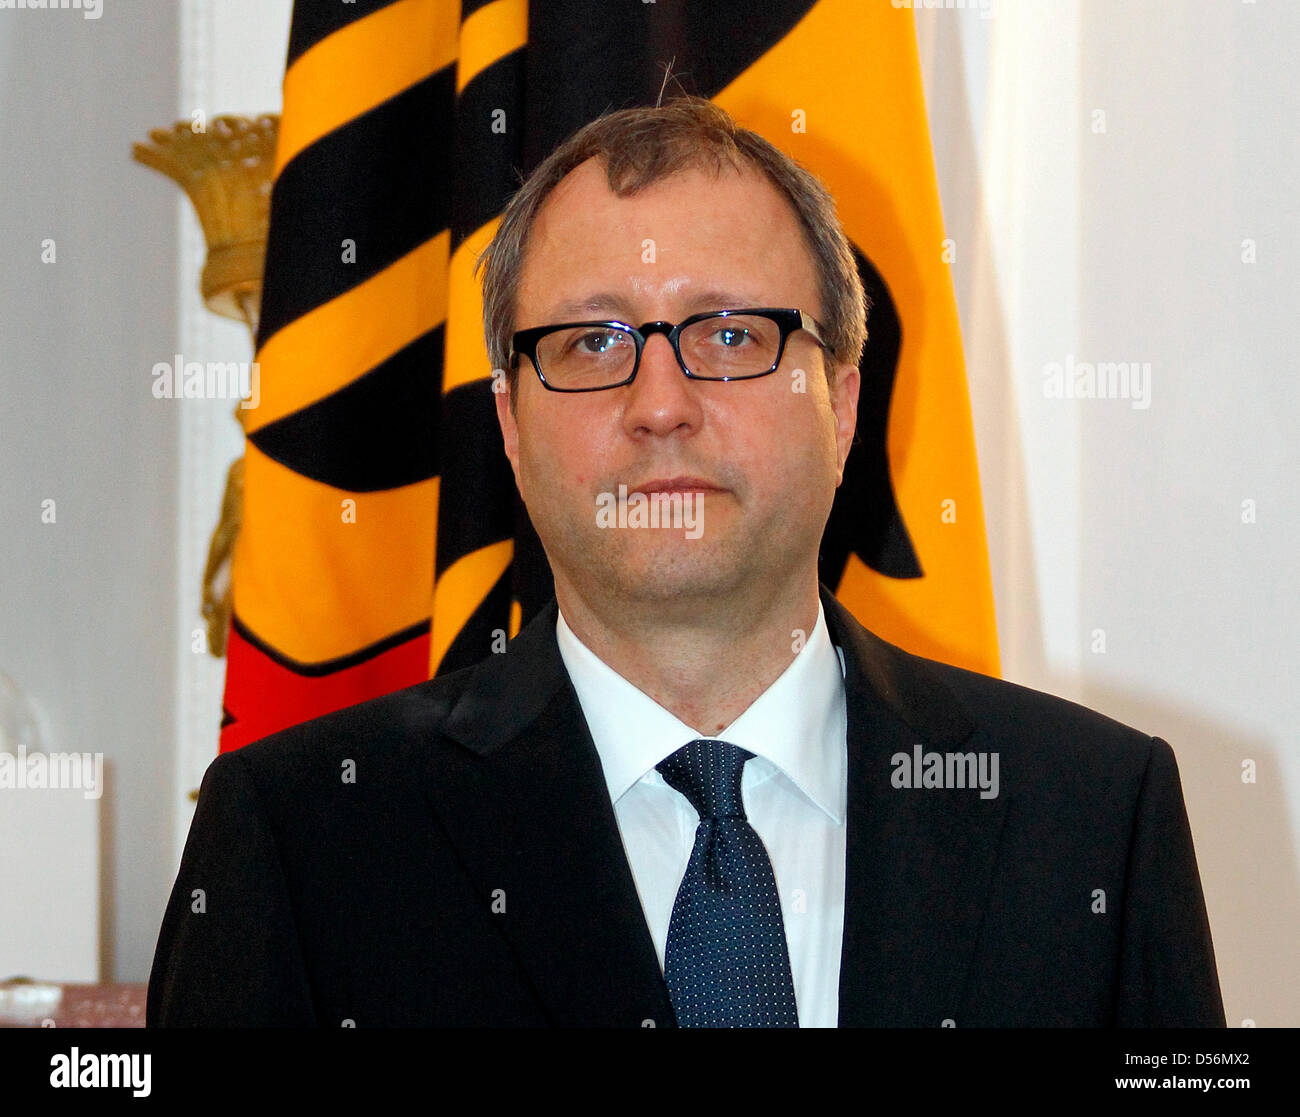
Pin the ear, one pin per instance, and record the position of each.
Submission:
(509, 424)
(844, 403)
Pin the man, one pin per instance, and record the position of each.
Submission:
(694, 790)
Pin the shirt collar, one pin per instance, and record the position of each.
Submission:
(797, 725)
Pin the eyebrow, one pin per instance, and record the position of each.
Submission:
(607, 302)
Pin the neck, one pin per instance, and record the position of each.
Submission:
(706, 668)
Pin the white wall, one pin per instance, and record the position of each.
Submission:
(81, 598)
(1126, 245)
(97, 611)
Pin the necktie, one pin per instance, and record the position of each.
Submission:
(726, 962)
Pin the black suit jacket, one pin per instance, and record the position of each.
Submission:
(448, 855)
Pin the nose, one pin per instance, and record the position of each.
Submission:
(661, 400)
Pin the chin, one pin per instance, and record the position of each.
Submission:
(682, 569)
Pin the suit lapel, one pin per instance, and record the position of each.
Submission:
(527, 807)
(919, 862)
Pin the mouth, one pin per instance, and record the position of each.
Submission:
(677, 485)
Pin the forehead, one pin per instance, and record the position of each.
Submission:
(691, 232)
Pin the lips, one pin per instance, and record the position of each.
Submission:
(677, 485)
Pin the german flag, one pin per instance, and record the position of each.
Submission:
(383, 539)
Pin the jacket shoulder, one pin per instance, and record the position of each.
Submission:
(393, 729)
(1043, 730)
(1030, 711)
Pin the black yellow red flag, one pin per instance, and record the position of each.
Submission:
(383, 539)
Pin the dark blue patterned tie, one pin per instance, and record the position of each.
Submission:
(726, 962)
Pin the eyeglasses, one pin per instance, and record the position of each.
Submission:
(717, 345)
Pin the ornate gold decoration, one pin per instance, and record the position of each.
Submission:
(217, 603)
(227, 169)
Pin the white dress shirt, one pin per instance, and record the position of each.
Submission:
(795, 792)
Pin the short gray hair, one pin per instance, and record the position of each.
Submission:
(641, 146)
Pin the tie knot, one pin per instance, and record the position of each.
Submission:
(708, 773)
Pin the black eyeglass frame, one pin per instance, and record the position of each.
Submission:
(788, 320)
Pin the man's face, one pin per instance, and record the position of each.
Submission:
(767, 454)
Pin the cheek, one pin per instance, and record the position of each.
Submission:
(562, 456)
(789, 429)
(796, 447)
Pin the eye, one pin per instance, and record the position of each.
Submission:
(730, 337)
(596, 342)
